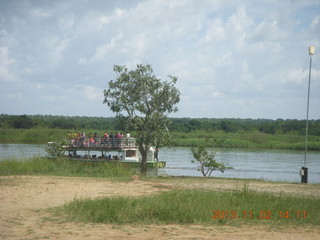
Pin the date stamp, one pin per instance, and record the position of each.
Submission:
(265, 214)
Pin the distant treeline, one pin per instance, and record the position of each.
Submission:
(229, 125)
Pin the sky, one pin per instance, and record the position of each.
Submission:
(233, 59)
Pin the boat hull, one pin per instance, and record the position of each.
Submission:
(150, 164)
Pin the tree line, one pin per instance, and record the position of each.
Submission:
(279, 126)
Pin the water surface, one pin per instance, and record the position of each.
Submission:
(274, 165)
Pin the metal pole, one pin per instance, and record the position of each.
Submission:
(304, 169)
(307, 124)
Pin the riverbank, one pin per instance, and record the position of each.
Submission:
(25, 200)
(240, 139)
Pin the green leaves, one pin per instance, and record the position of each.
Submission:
(146, 101)
(206, 160)
(140, 92)
(55, 148)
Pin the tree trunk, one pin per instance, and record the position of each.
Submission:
(144, 163)
(156, 154)
(144, 155)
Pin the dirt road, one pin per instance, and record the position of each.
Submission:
(24, 200)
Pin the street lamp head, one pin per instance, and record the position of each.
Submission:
(312, 49)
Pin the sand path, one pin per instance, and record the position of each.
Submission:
(24, 200)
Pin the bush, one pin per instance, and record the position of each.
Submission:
(207, 162)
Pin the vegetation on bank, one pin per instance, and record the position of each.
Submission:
(241, 206)
(196, 207)
(248, 139)
(232, 133)
(180, 125)
(64, 167)
(242, 139)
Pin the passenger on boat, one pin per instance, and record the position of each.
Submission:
(128, 135)
(69, 138)
(95, 136)
(119, 135)
(75, 140)
(91, 140)
(104, 139)
(69, 135)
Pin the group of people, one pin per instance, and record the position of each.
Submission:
(78, 139)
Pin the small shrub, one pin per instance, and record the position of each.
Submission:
(207, 162)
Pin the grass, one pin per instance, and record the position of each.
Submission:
(63, 167)
(196, 207)
(173, 207)
(240, 139)
(247, 139)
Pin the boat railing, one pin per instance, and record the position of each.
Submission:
(101, 143)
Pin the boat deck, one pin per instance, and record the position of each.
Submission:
(126, 146)
(100, 144)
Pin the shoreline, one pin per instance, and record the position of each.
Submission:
(240, 139)
(25, 200)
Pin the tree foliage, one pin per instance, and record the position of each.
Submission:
(206, 160)
(279, 126)
(145, 101)
(55, 148)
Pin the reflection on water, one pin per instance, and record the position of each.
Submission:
(275, 165)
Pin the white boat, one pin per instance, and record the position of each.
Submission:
(109, 149)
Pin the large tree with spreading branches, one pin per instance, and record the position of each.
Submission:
(145, 101)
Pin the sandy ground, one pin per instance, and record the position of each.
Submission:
(24, 200)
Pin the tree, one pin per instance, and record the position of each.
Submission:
(206, 160)
(55, 149)
(22, 121)
(146, 101)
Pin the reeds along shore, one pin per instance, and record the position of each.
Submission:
(240, 139)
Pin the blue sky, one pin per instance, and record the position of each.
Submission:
(233, 59)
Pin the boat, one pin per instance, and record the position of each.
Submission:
(101, 149)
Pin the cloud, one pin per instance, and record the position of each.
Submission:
(41, 13)
(56, 47)
(5, 62)
(104, 50)
(230, 58)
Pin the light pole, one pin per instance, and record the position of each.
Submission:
(304, 169)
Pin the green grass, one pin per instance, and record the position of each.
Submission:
(195, 207)
(247, 139)
(240, 139)
(64, 167)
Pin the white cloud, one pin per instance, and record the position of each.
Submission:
(67, 23)
(103, 51)
(268, 30)
(56, 47)
(5, 62)
(295, 76)
(224, 54)
(215, 32)
(15, 96)
(41, 13)
(315, 24)
(82, 61)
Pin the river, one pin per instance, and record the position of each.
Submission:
(274, 165)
